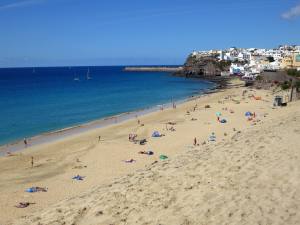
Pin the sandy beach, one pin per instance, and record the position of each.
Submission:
(248, 175)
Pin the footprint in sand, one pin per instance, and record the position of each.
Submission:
(297, 131)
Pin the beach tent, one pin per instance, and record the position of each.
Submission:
(156, 134)
(248, 114)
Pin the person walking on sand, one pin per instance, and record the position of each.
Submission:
(195, 141)
(99, 138)
(25, 142)
(32, 162)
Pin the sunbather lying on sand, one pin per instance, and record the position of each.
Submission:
(130, 161)
(171, 123)
(8, 153)
(23, 204)
(78, 177)
(36, 189)
(132, 137)
(172, 129)
(146, 152)
(143, 141)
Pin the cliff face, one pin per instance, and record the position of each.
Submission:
(203, 66)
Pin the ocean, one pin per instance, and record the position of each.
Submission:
(39, 100)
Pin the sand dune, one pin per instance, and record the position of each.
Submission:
(250, 175)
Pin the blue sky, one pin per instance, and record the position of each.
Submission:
(126, 32)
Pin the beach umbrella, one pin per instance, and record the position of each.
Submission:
(223, 121)
(218, 114)
(156, 134)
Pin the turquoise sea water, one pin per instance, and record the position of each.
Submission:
(34, 101)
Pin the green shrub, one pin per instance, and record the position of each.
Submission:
(293, 72)
(297, 85)
(286, 85)
(259, 78)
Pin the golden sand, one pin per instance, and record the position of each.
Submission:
(249, 175)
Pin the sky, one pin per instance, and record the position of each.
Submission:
(138, 32)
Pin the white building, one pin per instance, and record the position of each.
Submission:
(236, 69)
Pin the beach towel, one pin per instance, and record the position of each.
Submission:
(163, 157)
(218, 114)
(31, 190)
(36, 189)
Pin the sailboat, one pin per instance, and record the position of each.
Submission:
(88, 75)
(76, 78)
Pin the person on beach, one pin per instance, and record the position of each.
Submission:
(32, 162)
(195, 107)
(195, 141)
(130, 161)
(25, 142)
(99, 138)
(139, 122)
(132, 137)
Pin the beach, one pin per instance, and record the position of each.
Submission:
(249, 173)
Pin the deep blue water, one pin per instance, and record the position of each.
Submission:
(34, 101)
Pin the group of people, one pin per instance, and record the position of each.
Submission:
(132, 137)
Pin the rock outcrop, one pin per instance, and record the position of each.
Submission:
(203, 66)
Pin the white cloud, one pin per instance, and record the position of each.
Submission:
(20, 4)
(292, 13)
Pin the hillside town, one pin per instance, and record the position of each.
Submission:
(246, 62)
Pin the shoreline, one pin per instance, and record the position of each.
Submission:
(104, 162)
(60, 134)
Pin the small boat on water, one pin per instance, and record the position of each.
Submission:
(88, 77)
(76, 78)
